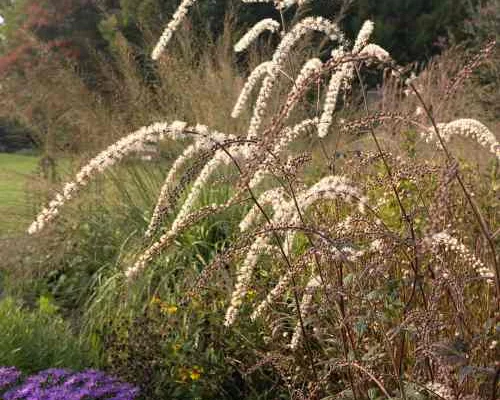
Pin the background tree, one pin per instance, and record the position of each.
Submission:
(104, 46)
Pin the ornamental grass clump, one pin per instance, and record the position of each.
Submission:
(63, 384)
(370, 273)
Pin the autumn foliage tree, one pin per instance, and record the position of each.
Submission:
(47, 53)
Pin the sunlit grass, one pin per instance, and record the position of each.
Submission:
(15, 171)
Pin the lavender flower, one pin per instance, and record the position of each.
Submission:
(8, 376)
(62, 384)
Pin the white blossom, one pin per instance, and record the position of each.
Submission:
(273, 295)
(134, 142)
(375, 51)
(305, 306)
(311, 67)
(220, 158)
(468, 128)
(172, 26)
(452, 244)
(267, 24)
(204, 141)
(289, 40)
(285, 212)
(343, 77)
(244, 277)
(252, 80)
(363, 37)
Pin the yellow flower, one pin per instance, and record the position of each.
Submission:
(195, 373)
(251, 294)
(168, 309)
(155, 300)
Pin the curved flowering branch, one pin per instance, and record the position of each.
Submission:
(330, 187)
(312, 66)
(267, 24)
(252, 80)
(450, 243)
(363, 36)
(222, 157)
(131, 143)
(305, 308)
(172, 26)
(283, 141)
(346, 254)
(469, 128)
(203, 142)
(178, 164)
(332, 94)
(218, 160)
(167, 238)
(259, 246)
(343, 77)
(184, 218)
(375, 51)
(308, 24)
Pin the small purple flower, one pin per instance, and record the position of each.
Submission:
(62, 384)
(8, 376)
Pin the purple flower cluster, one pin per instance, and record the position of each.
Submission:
(8, 377)
(62, 384)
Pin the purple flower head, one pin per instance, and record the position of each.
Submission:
(8, 376)
(61, 384)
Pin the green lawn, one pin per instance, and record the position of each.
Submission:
(19, 186)
(15, 172)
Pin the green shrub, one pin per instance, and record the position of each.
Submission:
(33, 340)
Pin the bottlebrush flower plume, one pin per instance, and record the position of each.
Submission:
(342, 78)
(468, 128)
(363, 37)
(305, 308)
(172, 26)
(306, 25)
(267, 24)
(252, 80)
(178, 164)
(375, 51)
(244, 277)
(311, 67)
(204, 141)
(185, 217)
(221, 157)
(329, 188)
(285, 211)
(450, 243)
(131, 143)
(332, 94)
